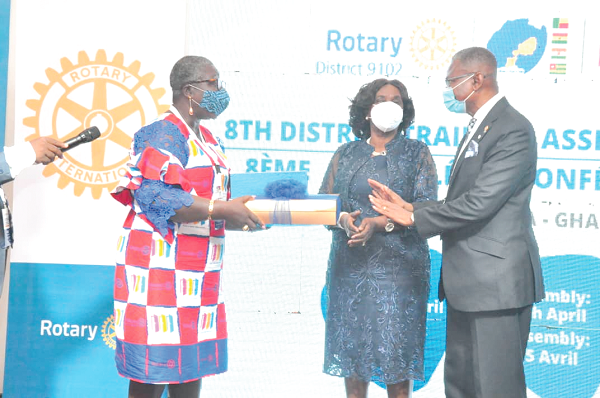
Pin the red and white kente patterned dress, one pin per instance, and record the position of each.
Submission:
(169, 312)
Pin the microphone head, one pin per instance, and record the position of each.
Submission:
(91, 134)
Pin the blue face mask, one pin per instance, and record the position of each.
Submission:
(213, 101)
(452, 103)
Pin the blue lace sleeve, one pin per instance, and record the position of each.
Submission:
(162, 135)
(426, 181)
(159, 201)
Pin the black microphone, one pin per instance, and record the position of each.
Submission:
(87, 135)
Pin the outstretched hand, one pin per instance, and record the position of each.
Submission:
(47, 149)
(237, 216)
(391, 210)
(390, 204)
(383, 192)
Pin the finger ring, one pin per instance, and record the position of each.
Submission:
(384, 208)
(364, 243)
(245, 227)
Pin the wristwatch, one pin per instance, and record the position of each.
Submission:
(389, 227)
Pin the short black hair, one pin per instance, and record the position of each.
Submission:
(473, 57)
(364, 100)
(188, 69)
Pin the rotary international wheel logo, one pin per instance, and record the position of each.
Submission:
(108, 332)
(432, 44)
(101, 93)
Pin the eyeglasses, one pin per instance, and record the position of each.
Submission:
(451, 79)
(218, 83)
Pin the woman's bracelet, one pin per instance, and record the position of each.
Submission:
(211, 207)
(340, 219)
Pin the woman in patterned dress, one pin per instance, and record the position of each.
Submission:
(169, 312)
(378, 272)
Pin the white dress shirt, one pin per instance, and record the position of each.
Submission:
(479, 116)
(19, 157)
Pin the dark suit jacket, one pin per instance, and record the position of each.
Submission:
(490, 258)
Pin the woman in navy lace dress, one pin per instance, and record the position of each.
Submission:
(170, 321)
(378, 272)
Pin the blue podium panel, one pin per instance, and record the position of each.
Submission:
(61, 340)
(564, 343)
(4, 44)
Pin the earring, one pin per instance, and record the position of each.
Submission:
(191, 111)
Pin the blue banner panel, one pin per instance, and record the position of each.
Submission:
(4, 46)
(564, 343)
(435, 331)
(61, 340)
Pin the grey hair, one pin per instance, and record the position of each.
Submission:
(477, 56)
(188, 69)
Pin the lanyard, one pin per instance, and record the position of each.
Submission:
(6, 222)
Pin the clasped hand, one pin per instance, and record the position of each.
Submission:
(390, 204)
(358, 235)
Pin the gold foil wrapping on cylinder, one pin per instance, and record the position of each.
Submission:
(314, 210)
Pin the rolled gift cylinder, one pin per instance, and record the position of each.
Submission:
(312, 210)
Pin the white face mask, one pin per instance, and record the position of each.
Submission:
(386, 116)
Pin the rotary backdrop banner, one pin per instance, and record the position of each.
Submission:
(290, 69)
(77, 64)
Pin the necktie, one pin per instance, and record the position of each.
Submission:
(463, 142)
(467, 136)
(471, 124)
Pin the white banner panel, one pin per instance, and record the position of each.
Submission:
(104, 64)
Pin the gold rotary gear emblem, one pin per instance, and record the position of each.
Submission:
(101, 93)
(108, 332)
(432, 44)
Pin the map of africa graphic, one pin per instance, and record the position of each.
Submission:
(518, 46)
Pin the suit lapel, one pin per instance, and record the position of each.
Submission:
(482, 131)
(462, 141)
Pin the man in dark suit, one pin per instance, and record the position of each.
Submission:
(491, 273)
(12, 160)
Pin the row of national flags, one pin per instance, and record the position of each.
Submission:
(558, 59)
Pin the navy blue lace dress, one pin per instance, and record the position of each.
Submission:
(377, 294)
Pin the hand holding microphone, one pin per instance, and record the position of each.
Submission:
(87, 135)
(47, 148)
